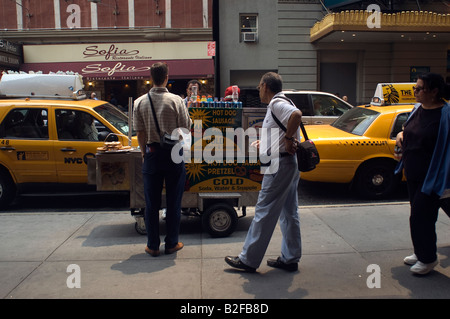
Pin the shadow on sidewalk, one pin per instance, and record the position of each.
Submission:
(272, 284)
(434, 285)
(143, 263)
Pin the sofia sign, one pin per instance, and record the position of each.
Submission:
(126, 70)
(114, 52)
(112, 61)
(99, 52)
(99, 69)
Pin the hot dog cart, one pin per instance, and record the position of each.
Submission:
(213, 190)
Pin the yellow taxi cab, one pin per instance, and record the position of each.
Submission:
(358, 148)
(48, 130)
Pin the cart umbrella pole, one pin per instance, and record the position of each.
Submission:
(130, 119)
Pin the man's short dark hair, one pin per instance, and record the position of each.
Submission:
(159, 71)
(273, 81)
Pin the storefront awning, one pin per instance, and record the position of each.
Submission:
(121, 61)
(132, 70)
(363, 26)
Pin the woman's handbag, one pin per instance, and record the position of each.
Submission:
(166, 141)
(307, 153)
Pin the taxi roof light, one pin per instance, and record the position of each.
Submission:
(393, 94)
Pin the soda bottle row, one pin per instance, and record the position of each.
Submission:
(210, 103)
(217, 104)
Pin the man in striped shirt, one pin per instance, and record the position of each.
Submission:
(158, 167)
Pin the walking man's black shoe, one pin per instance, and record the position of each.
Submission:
(277, 263)
(235, 262)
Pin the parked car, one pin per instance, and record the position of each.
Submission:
(358, 149)
(318, 107)
(48, 141)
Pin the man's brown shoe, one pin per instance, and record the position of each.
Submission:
(151, 252)
(177, 247)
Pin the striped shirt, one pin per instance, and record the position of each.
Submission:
(170, 112)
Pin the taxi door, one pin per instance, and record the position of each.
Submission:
(77, 140)
(25, 147)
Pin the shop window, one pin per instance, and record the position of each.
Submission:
(248, 28)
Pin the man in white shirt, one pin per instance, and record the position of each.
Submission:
(278, 196)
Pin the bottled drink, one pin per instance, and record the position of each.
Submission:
(235, 94)
(194, 94)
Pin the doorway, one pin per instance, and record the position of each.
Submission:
(121, 90)
(339, 79)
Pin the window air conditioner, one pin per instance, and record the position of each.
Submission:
(249, 36)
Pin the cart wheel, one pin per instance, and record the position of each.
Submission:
(220, 220)
(140, 225)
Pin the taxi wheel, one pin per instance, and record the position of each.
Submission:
(220, 220)
(376, 179)
(7, 190)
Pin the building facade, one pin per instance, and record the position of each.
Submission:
(113, 43)
(326, 46)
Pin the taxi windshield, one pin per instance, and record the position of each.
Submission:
(114, 116)
(356, 121)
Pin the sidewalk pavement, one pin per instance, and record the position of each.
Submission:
(339, 244)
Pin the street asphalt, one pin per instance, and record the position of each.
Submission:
(349, 252)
